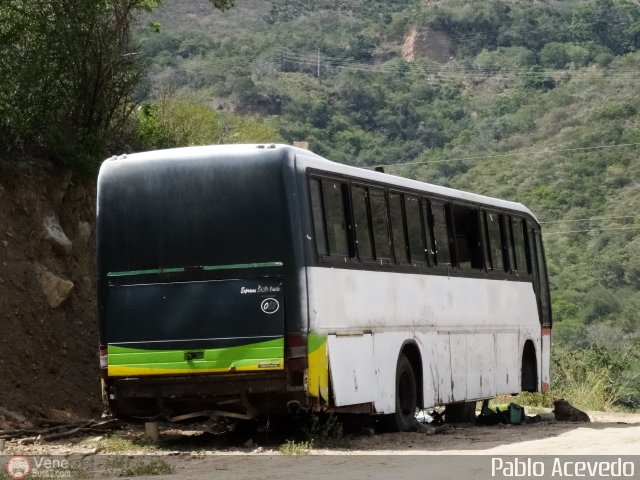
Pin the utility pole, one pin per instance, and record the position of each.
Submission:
(318, 74)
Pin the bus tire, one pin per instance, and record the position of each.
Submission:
(404, 418)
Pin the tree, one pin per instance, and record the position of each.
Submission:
(67, 72)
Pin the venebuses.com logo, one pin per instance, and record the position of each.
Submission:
(37, 467)
(18, 467)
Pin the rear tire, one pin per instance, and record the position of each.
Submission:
(404, 418)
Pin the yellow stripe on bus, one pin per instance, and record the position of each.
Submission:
(134, 371)
(318, 373)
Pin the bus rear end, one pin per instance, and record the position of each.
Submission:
(197, 286)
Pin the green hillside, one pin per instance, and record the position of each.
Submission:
(535, 102)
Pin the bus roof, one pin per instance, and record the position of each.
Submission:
(307, 159)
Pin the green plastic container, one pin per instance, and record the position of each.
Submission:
(514, 414)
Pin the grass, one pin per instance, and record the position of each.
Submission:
(596, 377)
(118, 444)
(291, 447)
(325, 431)
(124, 467)
(155, 467)
(320, 431)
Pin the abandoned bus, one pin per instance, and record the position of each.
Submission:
(244, 280)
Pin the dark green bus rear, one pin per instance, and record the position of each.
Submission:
(198, 290)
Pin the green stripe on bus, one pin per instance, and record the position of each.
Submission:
(224, 357)
(145, 272)
(315, 341)
(158, 271)
(242, 265)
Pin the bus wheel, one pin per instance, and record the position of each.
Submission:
(404, 418)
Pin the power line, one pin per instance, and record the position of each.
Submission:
(502, 155)
(452, 71)
(589, 219)
(592, 230)
(275, 63)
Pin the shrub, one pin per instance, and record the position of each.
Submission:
(596, 377)
(325, 431)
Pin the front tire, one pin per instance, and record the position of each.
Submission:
(404, 418)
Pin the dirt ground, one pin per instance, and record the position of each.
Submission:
(192, 454)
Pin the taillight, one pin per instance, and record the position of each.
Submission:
(296, 352)
(104, 360)
(296, 346)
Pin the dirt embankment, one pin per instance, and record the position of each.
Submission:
(48, 332)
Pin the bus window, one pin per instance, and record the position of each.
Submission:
(494, 239)
(414, 229)
(485, 240)
(428, 225)
(528, 246)
(318, 217)
(468, 238)
(531, 242)
(380, 225)
(517, 229)
(397, 228)
(336, 224)
(545, 300)
(364, 243)
(440, 233)
(510, 261)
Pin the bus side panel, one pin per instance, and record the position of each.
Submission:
(461, 314)
(386, 348)
(352, 371)
(545, 359)
(481, 382)
(458, 346)
(445, 386)
(428, 341)
(508, 366)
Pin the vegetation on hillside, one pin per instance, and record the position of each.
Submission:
(68, 73)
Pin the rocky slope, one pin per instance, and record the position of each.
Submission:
(48, 332)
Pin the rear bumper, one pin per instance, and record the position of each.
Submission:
(247, 394)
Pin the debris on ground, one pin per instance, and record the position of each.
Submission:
(49, 430)
(513, 414)
(545, 417)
